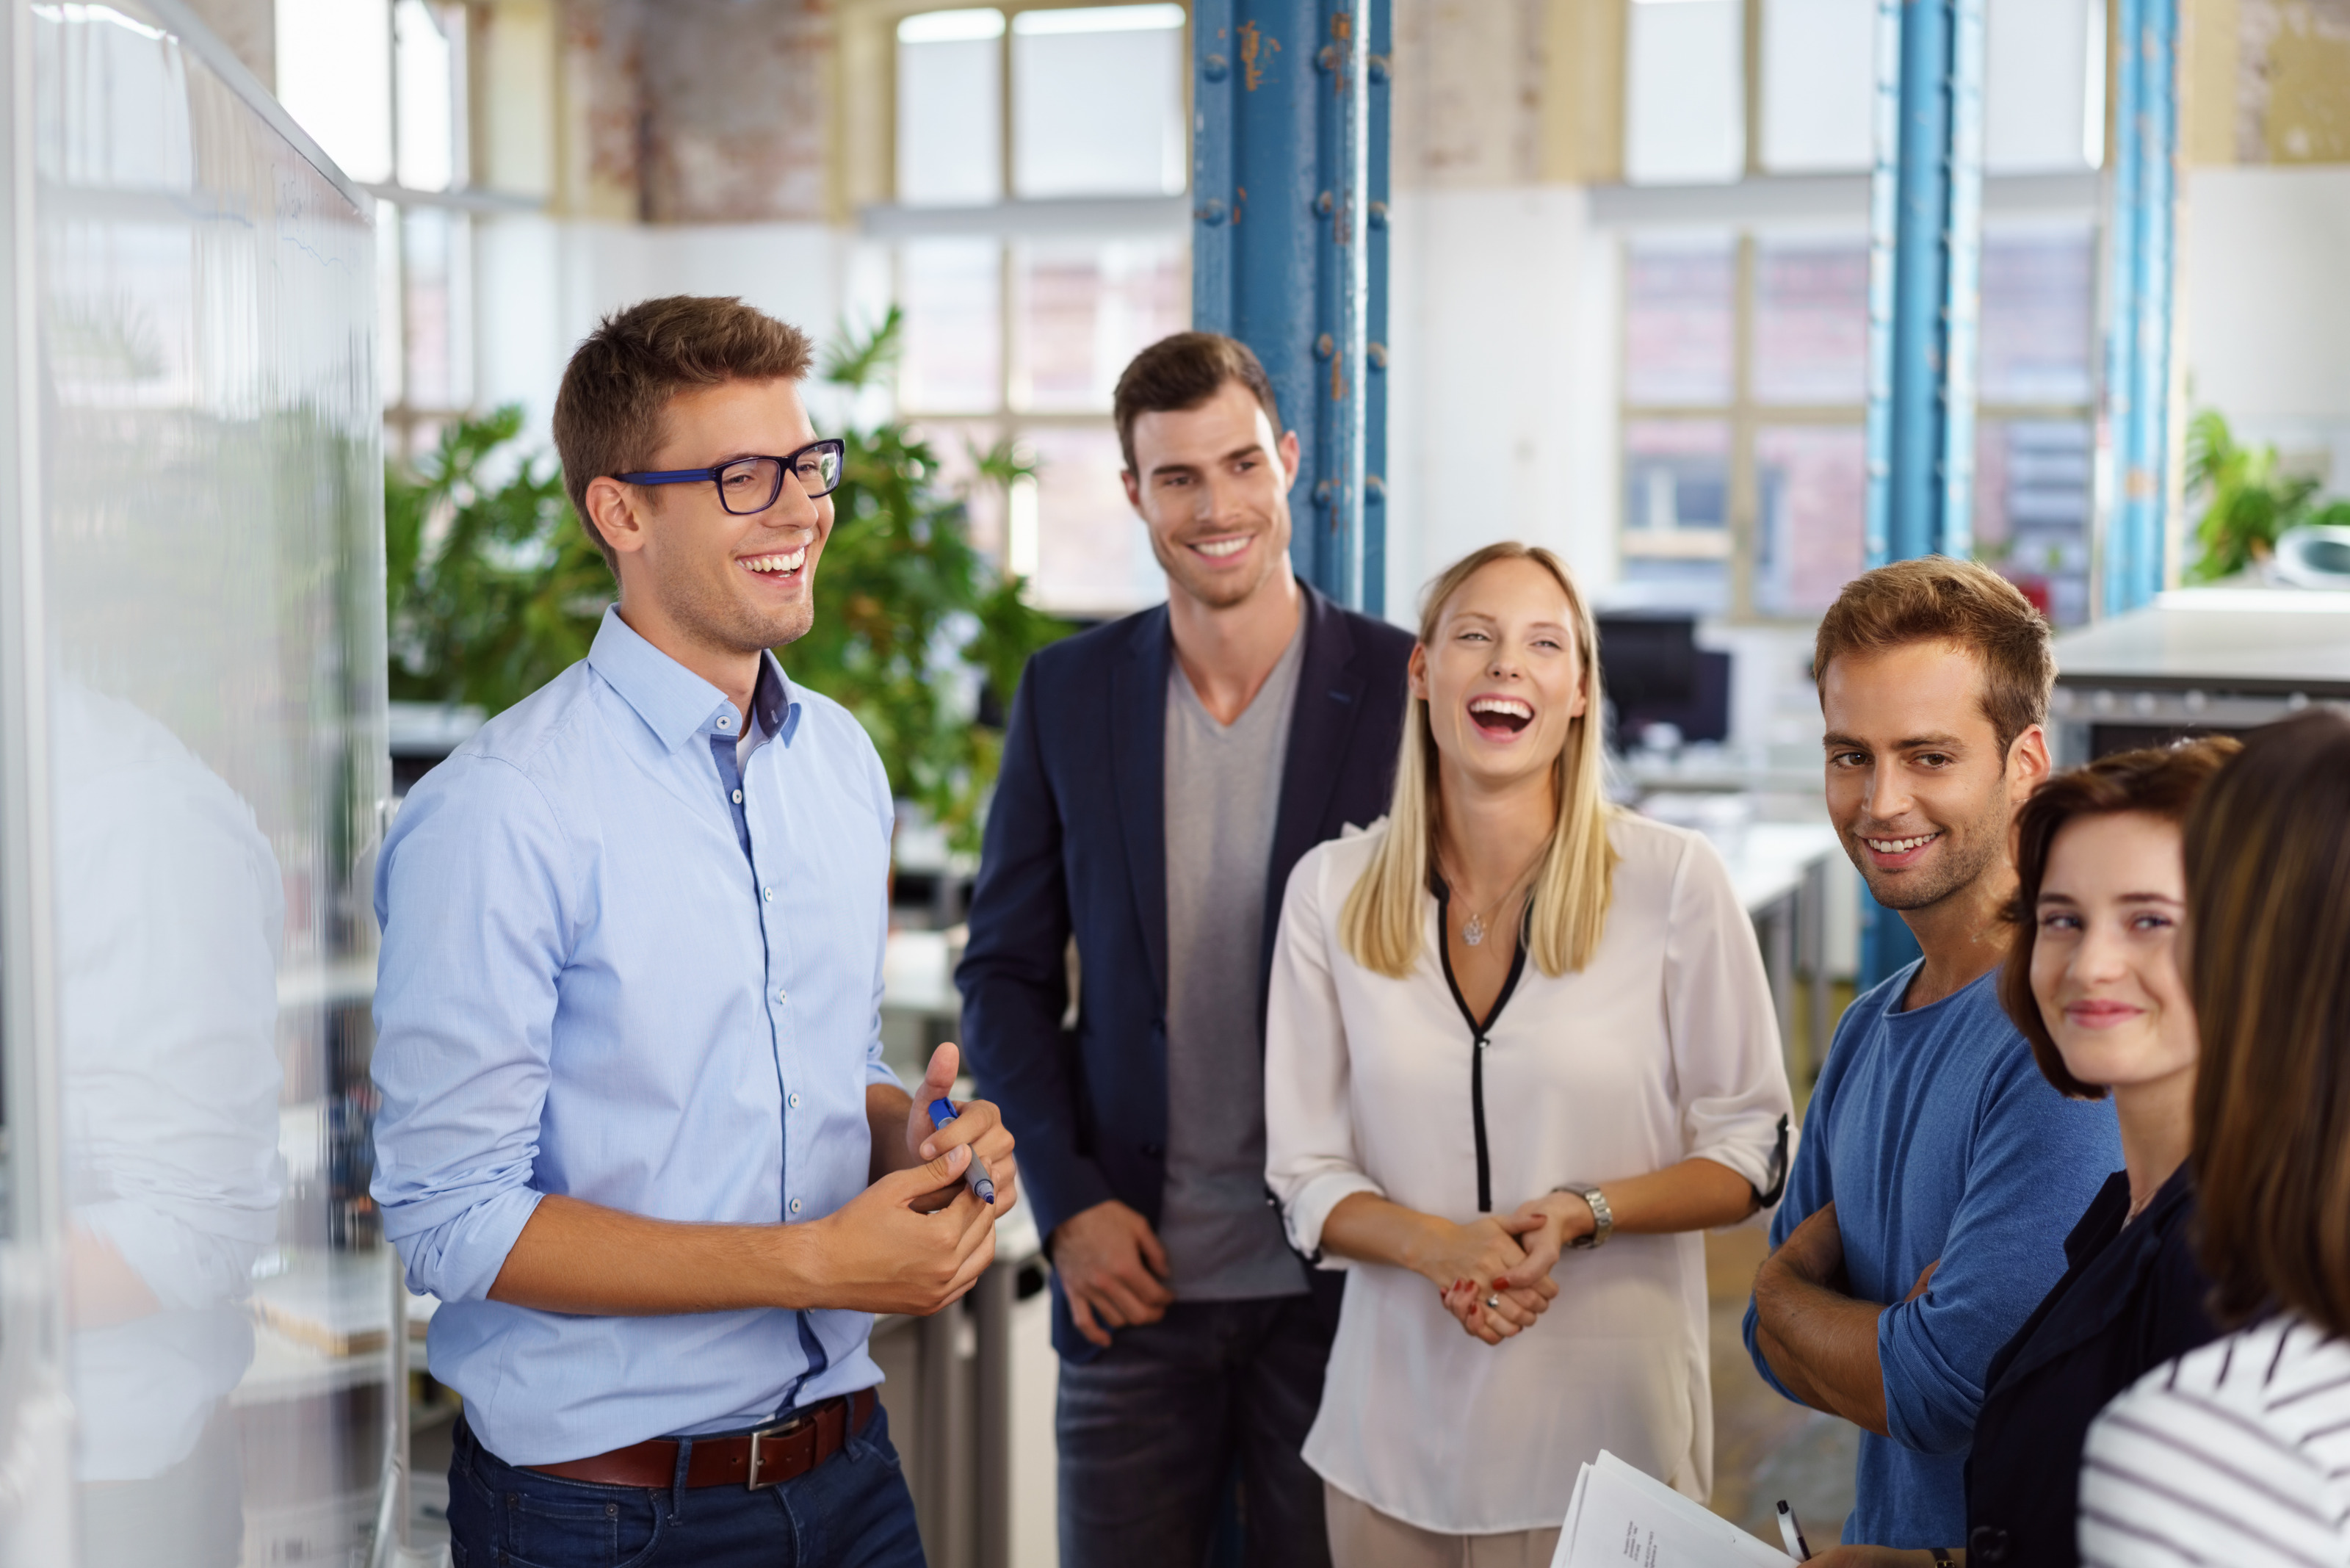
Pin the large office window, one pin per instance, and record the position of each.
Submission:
(381, 84)
(1038, 148)
(1745, 400)
(1744, 367)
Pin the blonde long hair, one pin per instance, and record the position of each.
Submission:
(1382, 924)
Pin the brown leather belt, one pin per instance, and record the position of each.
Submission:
(766, 1457)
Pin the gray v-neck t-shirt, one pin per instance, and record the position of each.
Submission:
(1223, 1241)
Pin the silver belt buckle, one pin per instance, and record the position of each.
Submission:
(780, 1429)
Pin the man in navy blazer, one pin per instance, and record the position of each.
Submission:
(1162, 776)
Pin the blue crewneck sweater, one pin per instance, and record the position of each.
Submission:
(1937, 1138)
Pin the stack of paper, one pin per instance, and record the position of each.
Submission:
(339, 1304)
(1621, 1516)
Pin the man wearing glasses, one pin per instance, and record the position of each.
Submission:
(636, 1132)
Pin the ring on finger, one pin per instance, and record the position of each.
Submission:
(1493, 1303)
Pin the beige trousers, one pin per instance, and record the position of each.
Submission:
(1363, 1537)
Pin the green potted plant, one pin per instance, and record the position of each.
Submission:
(2248, 501)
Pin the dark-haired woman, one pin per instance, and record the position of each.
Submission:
(2239, 1453)
(2094, 983)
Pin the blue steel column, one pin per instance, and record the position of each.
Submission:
(1281, 169)
(1925, 247)
(2133, 566)
(1924, 290)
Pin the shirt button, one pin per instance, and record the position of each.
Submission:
(768, 894)
(795, 1101)
(795, 1205)
(783, 995)
(738, 798)
(726, 723)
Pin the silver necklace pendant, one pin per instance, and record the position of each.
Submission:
(1473, 933)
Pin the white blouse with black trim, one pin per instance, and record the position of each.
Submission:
(1662, 1048)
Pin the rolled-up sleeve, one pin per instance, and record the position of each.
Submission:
(1724, 1030)
(475, 892)
(2038, 1160)
(1311, 1163)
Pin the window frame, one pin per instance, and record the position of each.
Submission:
(1748, 208)
(404, 417)
(1012, 222)
(1746, 416)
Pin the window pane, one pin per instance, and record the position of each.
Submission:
(952, 295)
(1677, 487)
(1092, 555)
(1098, 101)
(951, 107)
(2039, 301)
(1811, 322)
(1819, 85)
(334, 77)
(1813, 486)
(2044, 84)
(432, 54)
(437, 245)
(1685, 93)
(1679, 319)
(2031, 510)
(1660, 583)
(957, 446)
(1085, 308)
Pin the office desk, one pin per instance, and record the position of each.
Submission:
(2198, 661)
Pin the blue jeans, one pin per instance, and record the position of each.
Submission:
(851, 1512)
(1150, 1428)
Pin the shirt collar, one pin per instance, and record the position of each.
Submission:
(772, 702)
(675, 703)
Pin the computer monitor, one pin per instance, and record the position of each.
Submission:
(1655, 673)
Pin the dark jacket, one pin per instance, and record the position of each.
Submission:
(2132, 1300)
(1076, 846)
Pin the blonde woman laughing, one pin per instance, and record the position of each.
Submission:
(1520, 1051)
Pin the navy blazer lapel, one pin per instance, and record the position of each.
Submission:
(1138, 741)
(1322, 722)
(2085, 1311)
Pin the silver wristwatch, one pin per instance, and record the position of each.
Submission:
(1602, 1217)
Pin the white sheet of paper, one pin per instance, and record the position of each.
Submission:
(1624, 1517)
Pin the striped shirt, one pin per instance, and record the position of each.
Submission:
(2238, 1453)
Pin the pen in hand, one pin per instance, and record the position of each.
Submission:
(942, 1113)
(1792, 1533)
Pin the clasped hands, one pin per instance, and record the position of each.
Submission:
(1493, 1273)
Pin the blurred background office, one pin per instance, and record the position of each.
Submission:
(1592, 274)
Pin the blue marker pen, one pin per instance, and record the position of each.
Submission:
(942, 1113)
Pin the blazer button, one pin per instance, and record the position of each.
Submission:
(1987, 1543)
(1154, 1150)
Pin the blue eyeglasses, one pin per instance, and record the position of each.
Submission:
(750, 484)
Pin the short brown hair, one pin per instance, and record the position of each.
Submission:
(1181, 372)
(610, 414)
(1936, 599)
(2161, 781)
(2268, 963)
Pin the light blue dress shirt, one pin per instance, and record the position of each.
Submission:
(612, 970)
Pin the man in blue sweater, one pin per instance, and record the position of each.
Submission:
(1939, 1173)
